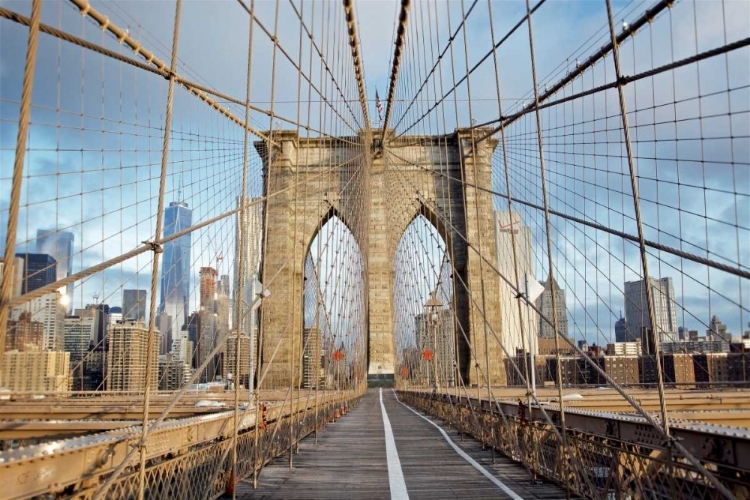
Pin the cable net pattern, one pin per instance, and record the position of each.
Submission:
(215, 238)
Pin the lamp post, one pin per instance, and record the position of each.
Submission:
(432, 307)
(532, 290)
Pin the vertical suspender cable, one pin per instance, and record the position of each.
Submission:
(156, 251)
(550, 264)
(241, 264)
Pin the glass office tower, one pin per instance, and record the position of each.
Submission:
(175, 271)
(58, 244)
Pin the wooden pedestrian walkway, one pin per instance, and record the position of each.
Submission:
(354, 458)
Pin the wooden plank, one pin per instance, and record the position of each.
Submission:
(349, 461)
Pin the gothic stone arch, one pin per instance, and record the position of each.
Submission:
(377, 205)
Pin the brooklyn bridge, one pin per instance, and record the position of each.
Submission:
(509, 260)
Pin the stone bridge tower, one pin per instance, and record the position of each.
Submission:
(377, 192)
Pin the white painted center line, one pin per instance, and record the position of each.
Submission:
(463, 454)
(395, 474)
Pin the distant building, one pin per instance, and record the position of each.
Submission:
(175, 273)
(573, 370)
(126, 361)
(230, 363)
(623, 333)
(208, 277)
(517, 331)
(206, 345)
(677, 370)
(311, 360)
(223, 287)
(223, 309)
(182, 347)
(637, 311)
(24, 334)
(94, 371)
(435, 335)
(547, 347)
(134, 305)
(100, 313)
(682, 333)
(58, 244)
(253, 241)
(48, 311)
(515, 378)
(701, 345)
(721, 368)
(624, 349)
(39, 269)
(36, 371)
(544, 304)
(115, 315)
(87, 359)
(718, 330)
(253, 235)
(193, 328)
(622, 369)
(78, 333)
(173, 373)
(163, 322)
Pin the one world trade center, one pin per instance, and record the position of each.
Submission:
(175, 272)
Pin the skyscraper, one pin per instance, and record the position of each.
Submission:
(78, 333)
(175, 272)
(39, 269)
(163, 323)
(718, 330)
(544, 304)
(58, 244)
(510, 226)
(208, 277)
(100, 313)
(115, 315)
(622, 331)
(48, 311)
(223, 306)
(637, 313)
(134, 305)
(253, 238)
(193, 328)
(126, 360)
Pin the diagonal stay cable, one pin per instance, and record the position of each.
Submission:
(403, 18)
(294, 64)
(123, 36)
(736, 271)
(149, 245)
(459, 82)
(600, 371)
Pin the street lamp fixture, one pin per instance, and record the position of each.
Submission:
(432, 306)
(253, 296)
